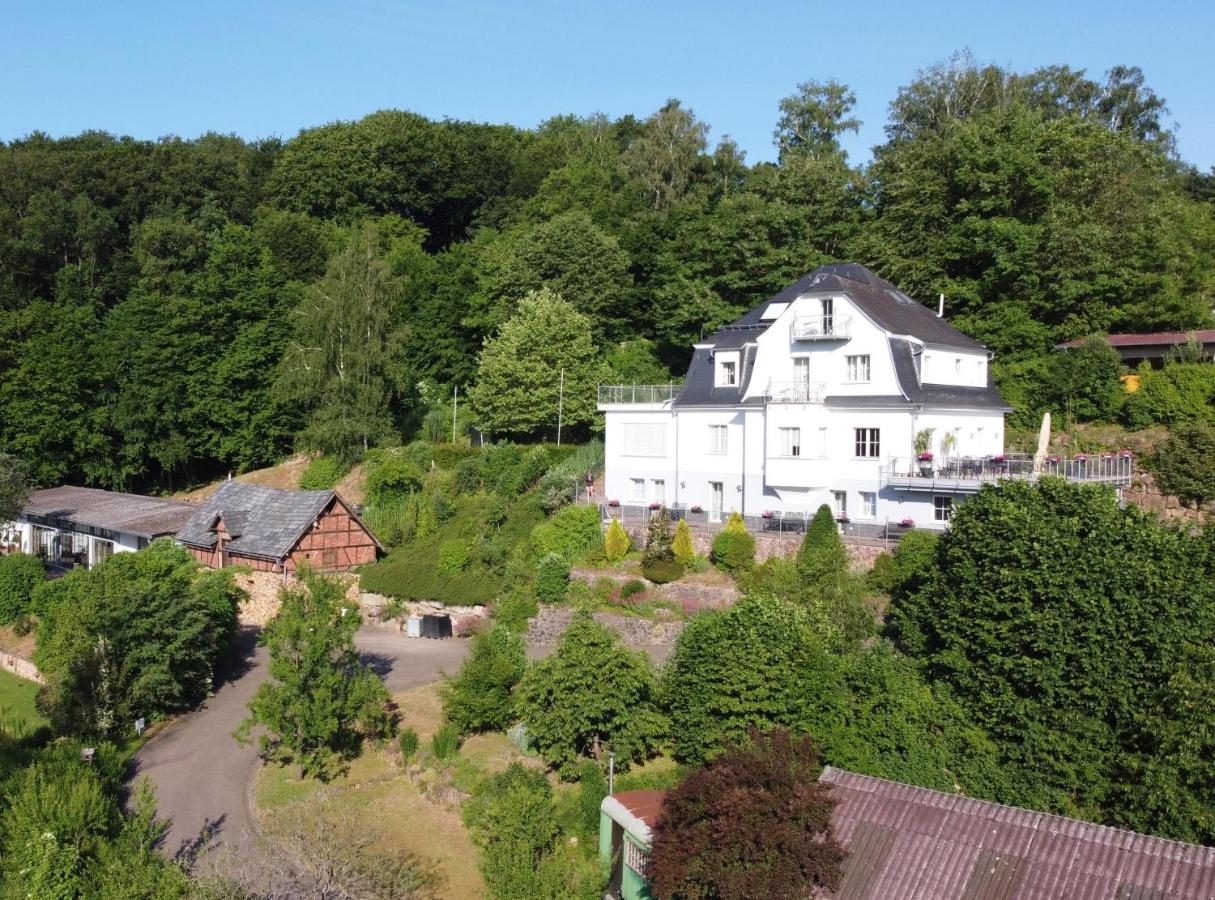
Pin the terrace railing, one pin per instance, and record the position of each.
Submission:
(795, 391)
(615, 394)
(964, 472)
(821, 328)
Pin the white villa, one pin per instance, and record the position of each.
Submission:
(817, 396)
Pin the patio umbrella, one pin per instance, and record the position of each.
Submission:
(1043, 443)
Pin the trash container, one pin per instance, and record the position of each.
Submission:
(436, 626)
(413, 626)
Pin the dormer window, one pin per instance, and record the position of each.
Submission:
(726, 370)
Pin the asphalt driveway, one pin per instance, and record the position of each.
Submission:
(203, 776)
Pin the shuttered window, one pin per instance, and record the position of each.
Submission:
(644, 439)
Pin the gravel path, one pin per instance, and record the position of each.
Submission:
(203, 776)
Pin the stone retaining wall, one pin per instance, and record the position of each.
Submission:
(23, 668)
(1144, 493)
(465, 620)
(770, 545)
(547, 626)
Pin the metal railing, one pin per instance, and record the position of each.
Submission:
(821, 328)
(638, 393)
(792, 525)
(795, 391)
(1102, 468)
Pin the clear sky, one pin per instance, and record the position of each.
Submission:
(271, 67)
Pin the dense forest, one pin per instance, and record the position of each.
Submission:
(171, 310)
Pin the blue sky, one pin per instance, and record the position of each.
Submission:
(271, 67)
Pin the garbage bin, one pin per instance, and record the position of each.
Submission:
(413, 626)
(436, 626)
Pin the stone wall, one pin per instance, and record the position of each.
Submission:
(1145, 494)
(22, 668)
(548, 625)
(465, 620)
(770, 545)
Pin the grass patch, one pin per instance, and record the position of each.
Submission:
(413, 572)
(17, 702)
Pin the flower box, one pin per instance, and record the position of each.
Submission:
(1127, 454)
(843, 520)
(613, 503)
(1080, 457)
(655, 506)
(695, 509)
(769, 513)
(924, 457)
(907, 523)
(999, 458)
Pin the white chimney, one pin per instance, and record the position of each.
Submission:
(941, 307)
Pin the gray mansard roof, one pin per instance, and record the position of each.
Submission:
(263, 522)
(877, 298)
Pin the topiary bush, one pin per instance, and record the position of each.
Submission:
(407, 740)
(682, 546)
(322, 473)
(822, 560)
(445, 743)
(515, 609)
(658, 539)
(663, 571)
(20, 576)
(616, 542)
(734, 547)
(552, 579)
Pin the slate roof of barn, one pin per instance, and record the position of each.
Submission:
(135, 514)
(262, 521)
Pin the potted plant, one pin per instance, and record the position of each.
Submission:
(613, 503)
(923, 440)
(655, 505)
(907, 523)
(769, 513)
(842, 518)
(696, 509)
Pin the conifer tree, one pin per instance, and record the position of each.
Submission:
(822, 560)
(682, 545)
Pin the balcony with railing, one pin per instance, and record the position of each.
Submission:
(821, 328)
(637, 394)
(795, 391)
(968, 473)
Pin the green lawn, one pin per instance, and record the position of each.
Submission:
(17, 701)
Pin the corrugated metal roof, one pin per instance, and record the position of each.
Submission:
(1152, 339)
(646, 805)
(916, 844)
(135, 514)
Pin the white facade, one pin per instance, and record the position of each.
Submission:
(824, 415)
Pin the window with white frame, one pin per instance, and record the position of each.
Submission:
(839, 503)
(869, 504)
(644, 439)
(858, 369)
(717, 438)
(727, 370)
(789, 440)
(638, 485)
(942, 509)
(867, 442)
(659, 490)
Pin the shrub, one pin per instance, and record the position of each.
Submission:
(658, 539)
(322, 473)
(20, 576)
(734, 548)
(390, 475)
(515, 609)
(592, 788)
(1184, 464)
(480, 697)
(1085, 383)
(557, 490)
(569, 533)
(772, 839)
(616, 542)
(591, 695)
(822, 560)
(682, 546)
(453, 557)
(498, 461)
(419, 454)
(552, 579)
(452, 456)
(467, 476)
(663, 571)
(1178, 393)
(632, 588)
(407, 740)
(915, 558)
(882, 576)
(445, 742)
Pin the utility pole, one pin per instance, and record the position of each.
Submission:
(455, 398)
(560, 405)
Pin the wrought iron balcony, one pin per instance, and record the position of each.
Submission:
(821, 328)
